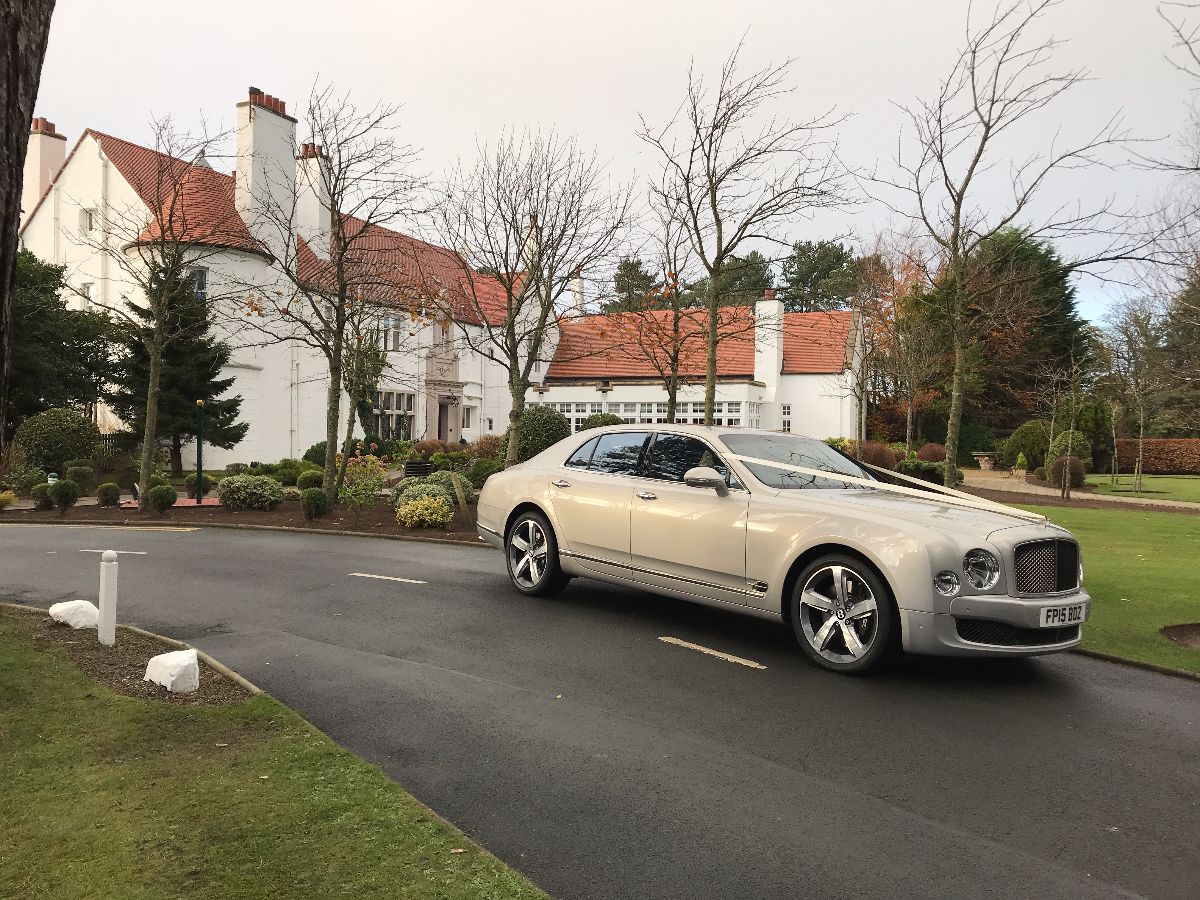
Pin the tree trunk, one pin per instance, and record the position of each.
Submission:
(1137, 469)
(341, 472)
(333, 408)
(908, 428)
(176, 456)
(1116, 463)
(672, 386)
(26, 25)
(958, 383)
(517, 389)
(150, 429)
(712, 299)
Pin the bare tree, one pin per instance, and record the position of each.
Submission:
(734, 173)
(1002, 79)
(330, 283)
(157, 244)
(26, 27)
(1139, 366)
(535, 213)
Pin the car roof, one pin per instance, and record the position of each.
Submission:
(709, 431)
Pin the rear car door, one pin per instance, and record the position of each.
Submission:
(687, 538)
(591, 495)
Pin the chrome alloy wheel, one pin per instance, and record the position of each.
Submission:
(527, 550)
(839, 614)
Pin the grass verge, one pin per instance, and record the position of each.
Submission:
(106, 795)
(1140, 569)
(1154, 487)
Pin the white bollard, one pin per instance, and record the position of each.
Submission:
(106, 629)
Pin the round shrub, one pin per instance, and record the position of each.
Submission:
(1075, 471)
(874, 453)
(365, 478)
(313, 478)
(446, 479)
(599, 420)
(84, 476)
(108, 494)
(540, 427)
(425, 512)
(189, 484)
(455, 459)
(932, 453)
(1032, 439)
(239, 492)
(56, 435)
(157, 480)
(40, 495)
(424, 488)
(287, 473)
(7, 498)
(291, 494)
(1040, 473)
(314, 502)
(64, 493)
(487, 447)
(1080, 447)
(162, 497)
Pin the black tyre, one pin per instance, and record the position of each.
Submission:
(843, 615)
(531, 552)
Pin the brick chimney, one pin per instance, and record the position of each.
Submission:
(266, 167)
(44, 157)
(314, 218)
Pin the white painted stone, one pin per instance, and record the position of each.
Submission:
(178, 671)
(76, 613)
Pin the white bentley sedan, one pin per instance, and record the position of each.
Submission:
(862, 563)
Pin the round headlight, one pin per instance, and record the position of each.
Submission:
(981, 568)
(946, 583)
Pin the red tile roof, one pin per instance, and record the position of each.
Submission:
(199, 206)
(636, 345)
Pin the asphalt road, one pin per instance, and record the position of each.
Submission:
(604, 763)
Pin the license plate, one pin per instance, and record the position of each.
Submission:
(1057, 616)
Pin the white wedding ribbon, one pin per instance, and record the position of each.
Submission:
(946, 495)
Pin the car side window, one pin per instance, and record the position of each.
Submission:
(618, 453)
(582, 457)
(671, 455)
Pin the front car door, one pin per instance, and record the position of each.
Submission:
(683, 538)
(590, 496)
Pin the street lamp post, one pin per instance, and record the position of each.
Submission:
(199, 451)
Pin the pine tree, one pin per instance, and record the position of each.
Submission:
(191, 368)
(818, 277)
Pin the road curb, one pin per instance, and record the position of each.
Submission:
(240, 680)
(174, 523)
(1138, 664)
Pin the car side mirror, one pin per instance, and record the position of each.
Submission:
(708, 478)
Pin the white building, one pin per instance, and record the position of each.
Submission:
(793, 376)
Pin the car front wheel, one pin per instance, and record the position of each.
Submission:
(532, 553)
(843, 615)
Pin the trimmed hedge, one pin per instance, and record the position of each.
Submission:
(64, 494)
(84, 476)
(56, 435)
(313, 478)
(162, 497)
(1161, 456)
(40, 495)
(189, 484)
(1076, 471)
(874, 453)
(932, 453)
(600, 420)
(239, 492)
(541, 427)
(446, 480)
(425, 512)
(108, 494)
(314, 502)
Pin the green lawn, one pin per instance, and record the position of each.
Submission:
(105, 795)
(1140, 568)
(1157, 487)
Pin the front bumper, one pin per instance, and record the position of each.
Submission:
(492, 537)
(992, 626)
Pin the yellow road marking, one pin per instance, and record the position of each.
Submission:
(728, 657)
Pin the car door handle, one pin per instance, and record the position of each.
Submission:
(560, 483)
(647, 495)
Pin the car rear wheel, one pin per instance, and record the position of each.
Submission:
(532, 553)
(842, 615)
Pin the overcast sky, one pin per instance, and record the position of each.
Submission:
(465, 69)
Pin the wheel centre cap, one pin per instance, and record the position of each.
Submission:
(841, 613)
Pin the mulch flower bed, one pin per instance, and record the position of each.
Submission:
(123, 666)
(1079, 500)
(380, 520)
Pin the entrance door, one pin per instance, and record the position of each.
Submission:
(443, 430)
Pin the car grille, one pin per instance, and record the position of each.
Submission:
(985, 631)
(1046, 567)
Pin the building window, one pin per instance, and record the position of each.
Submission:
(394, 414)
(88, 221)
(89, 295)
(200, 283)
(490, 426)
(786, 410)
(468, 417)
(597, 408)
(735, 407)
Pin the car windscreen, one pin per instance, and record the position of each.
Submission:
(794, 451)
